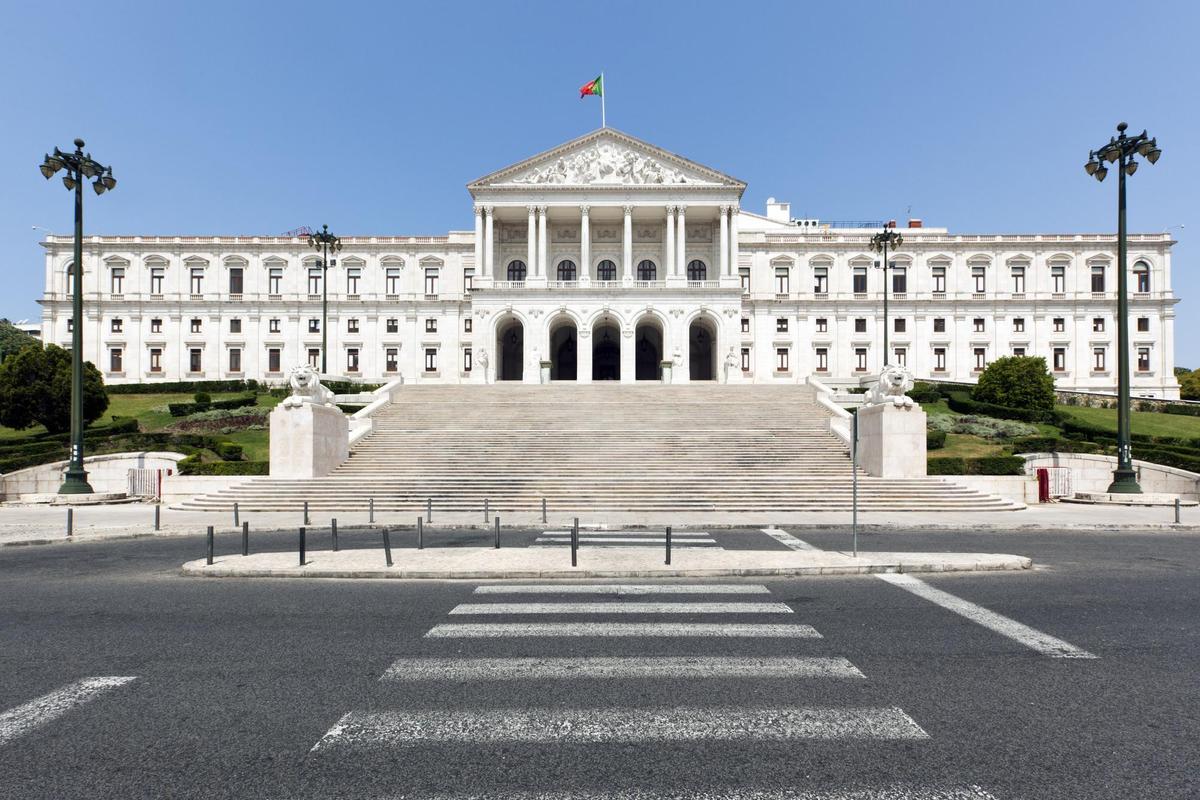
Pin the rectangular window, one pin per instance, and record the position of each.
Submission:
(1058, 278)
(821, 280)
(466, 359)
(352, 325)
(273, 359)
(352, 359)
(781, 325)
(901, 358)
(156, 326)
(393, 325)
(860, 359)
(314, 357)
(782, 281)
(353, 276)
(1018, 279)
(196, 325)
(468, 285)
(1143, 359)
(978, 325)
(745, 359)
(1143, 324)
(235, 280)
(939, 359)
(314, 280)
(431, 325)
(860, 325)
(275, 280)
(1018, 351)
(431, 359)
(781, 359)
(431, 276)
(156, 359)
(235, 359)
(1098, 278)
(939, 325)
(391, 359)
(744, 276)
(745, 325)
(1097, 324)
(70, 325)
(980, 359)
(1060, 325)
(114, 360)
(468, 324)
(1060, 359)
(860, 280)
(822, 359)
(118, 282)
(117, 326)
(197, 280)
(314, 325)
(392, 280)
(194, 360)
(899, 280)
(1098, 359)
(156, 280)
(1018, 324)
(939, 280)
(900, 325)
(822, 325)
(979, 277)
(273, 326)
(235, 325)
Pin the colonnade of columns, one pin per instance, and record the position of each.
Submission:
(674, 261)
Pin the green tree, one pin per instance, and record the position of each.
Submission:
(1016, 382)
(1189, 385)
(13, 339)
(35, 387)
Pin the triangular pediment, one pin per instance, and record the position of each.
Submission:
(606, 158)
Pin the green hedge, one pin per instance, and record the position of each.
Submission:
(987, 465)
(228, 451)
(175, 387)
(1053, 444)
(193, 466)
(1187, 411)
(935, 440)
(1167, 458)
(963, 404)
(925, 393)
(187, 409)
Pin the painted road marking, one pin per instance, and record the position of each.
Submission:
(608, 629)
(1034, 639)
(569, 726)
(497, 669)
(621, 608)
(883, 793)
(21, 720)
(625, 588)
(786, 539)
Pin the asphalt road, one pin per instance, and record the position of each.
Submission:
(242, 687)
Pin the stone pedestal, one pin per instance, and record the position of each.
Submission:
(544, 371)
(667, 367)
(308, 441)
(891, 441)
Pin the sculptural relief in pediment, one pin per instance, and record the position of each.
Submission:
(606, 163)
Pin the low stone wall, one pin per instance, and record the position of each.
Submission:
(1022, 488)
(1093, 473)
(106, 473)
(177, 488)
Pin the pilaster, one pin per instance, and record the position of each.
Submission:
(627, 246)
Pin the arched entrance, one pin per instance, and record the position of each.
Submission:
(606, 350)
(510, 350)
(702, 350)
(648, 349)
(564, 352)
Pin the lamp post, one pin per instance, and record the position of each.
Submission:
(1121, 150)
(78, 166)
(324, 241)
(880, 242)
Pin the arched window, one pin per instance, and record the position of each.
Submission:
(1141, 277)
(70, 282)
(646, 270)
(516, 270)
(566, 270)
(697, 271)
(606, 271)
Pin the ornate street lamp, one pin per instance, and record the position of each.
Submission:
(78, 166)
(880, 242)
(1122, 150)
(324, 241)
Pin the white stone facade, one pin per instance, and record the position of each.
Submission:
(675, 271)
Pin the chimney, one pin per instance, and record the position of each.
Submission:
(914, 223)
(778, 212)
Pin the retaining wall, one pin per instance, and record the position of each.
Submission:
(105, 473)
(1093, 473)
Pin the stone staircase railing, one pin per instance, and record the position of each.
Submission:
(839, 420)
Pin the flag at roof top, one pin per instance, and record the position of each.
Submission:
(595, 87)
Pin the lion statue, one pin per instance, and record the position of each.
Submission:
(893, 387)
(306, 388)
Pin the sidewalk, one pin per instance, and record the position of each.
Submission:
(484, 563)
(43, 525)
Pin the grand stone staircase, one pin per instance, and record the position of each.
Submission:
(600, 448)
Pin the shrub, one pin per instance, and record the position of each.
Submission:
(1187, 411)
(193, 466)
(946, 466)
(1053, 444)
(925, 393)
(202, 398)
(985, 465)
(1016, 382)
(985, 427)
(35, 387)
(228, 451)
(177, 387)
(236, 402)
(962, 403)
(935, 440)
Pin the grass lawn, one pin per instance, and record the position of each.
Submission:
(962, 445)
(1146, 422)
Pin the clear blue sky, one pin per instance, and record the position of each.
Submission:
(247, 118)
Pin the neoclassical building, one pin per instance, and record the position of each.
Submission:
(603, 258)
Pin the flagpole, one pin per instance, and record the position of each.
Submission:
(603, 92)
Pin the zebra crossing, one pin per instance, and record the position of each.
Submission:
(680, 540)
(744, 616)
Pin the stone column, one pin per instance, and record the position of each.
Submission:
(733, 240)
(489, 243)
(585, 247)
(668, 265)
(531, 242)
(542, 243)
(627, 245)
(724, 257)
(681, 244)
(479, 239)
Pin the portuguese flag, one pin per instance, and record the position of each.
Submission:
(595, 87)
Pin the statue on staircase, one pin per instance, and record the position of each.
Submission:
(731, 363)
(306, 388)
(482, 361)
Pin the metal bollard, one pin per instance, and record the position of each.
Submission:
(157, 517)
(70, 521)
(575, 542)
(245, 538)
(429, 510)
(236, 519)
(497, 547)
(387, 547)
(420, 534)
(302, 546)
(305, 512)
(543, 509)
(668, 544)
(485, 509)
(1176, 510)
(333, 532)
(371, 510)
(210, 545)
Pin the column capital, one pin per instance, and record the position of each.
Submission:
(488, 210)
(682, 209)
(627, 209)
(725, 208)
(542, 210)
(531, 210)
(584, 209)
(670, 209)
(478, 209)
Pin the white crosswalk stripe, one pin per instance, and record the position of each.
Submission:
(620, 608)
(624, 588)
(657, 667)
(501, 630)
(566, 726)
(21, 720)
